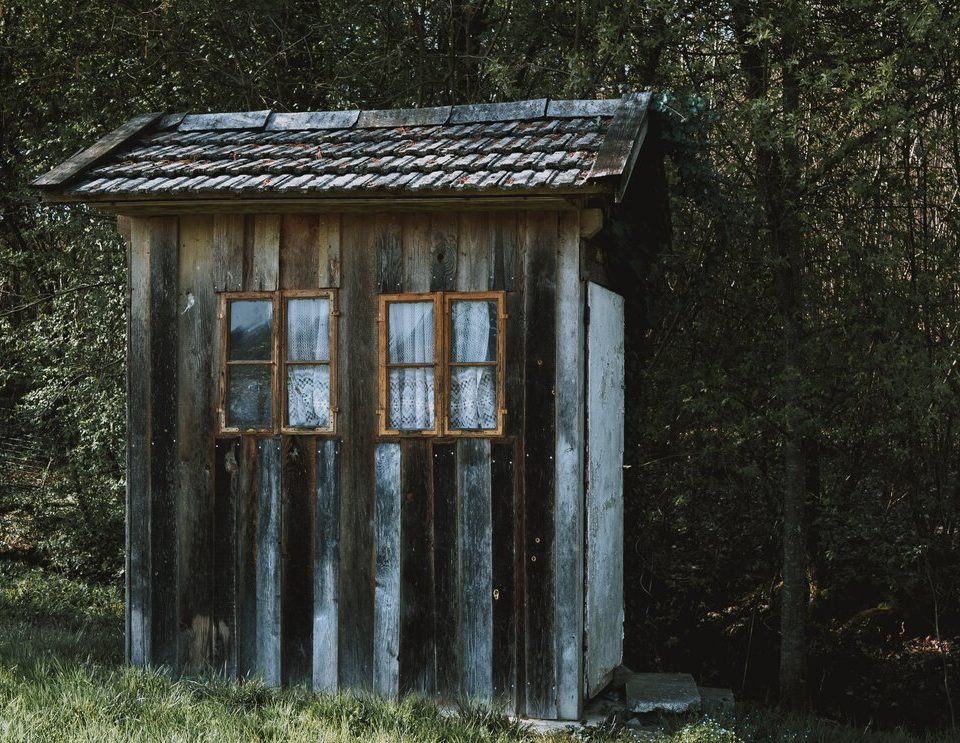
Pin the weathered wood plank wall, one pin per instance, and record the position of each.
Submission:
(569, 470)
(139, 378)
(386, 626)
(196, 391)
(541, 244)
(417, 661)
(414, 565)
(268, 651)
(358, 426)
(164, 249)
(326, 567)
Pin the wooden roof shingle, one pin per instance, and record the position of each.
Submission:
(521, 146)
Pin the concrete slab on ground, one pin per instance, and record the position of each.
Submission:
(662, 692)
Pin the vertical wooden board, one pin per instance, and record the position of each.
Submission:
(604, 496)
(386, 627)
(299, 251)
(506, 253)
(475, 568)
(417, 651)
(227, 492)
(163, 440)
(539, 421)
(325, 566)
(445, 573)
(444, 231)
(249, 235)
(196, 404)
(387, 237)
(503, 524)
(511, 234)
(139, 344)
(268, 560)
(514, 241)
(475, 257)
(569, 470)
(125, 230)
(246, 556)
(297, 550)
(417, 254)
(358, 428)
(228, 237)
(328, 249)
(265, 268)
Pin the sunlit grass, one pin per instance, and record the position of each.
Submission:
(62, 679)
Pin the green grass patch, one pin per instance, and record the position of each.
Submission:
(62, 679)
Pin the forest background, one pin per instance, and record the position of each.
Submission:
(793, 385)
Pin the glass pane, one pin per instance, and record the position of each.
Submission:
(411, 399)
(308, 396)
(308, 329)
(249, 396)
(250, 323)
(473, 398)
(411, 332)
(474, 331)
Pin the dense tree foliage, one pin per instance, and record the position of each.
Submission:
(793, 360)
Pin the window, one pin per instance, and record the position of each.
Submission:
(441, 364)
(278, 353)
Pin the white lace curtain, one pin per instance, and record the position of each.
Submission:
(473, 397)
(411, 388)
(308, 385)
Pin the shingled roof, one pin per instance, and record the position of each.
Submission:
(537, 146)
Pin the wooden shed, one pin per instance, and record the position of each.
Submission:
(375, 391)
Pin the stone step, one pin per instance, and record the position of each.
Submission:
(675, 693)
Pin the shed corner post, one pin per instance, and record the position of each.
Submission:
(569, 463)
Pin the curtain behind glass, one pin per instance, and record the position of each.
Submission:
(411, 389)
(308, 339)
(473, 397)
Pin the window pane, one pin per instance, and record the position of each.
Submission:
(474, 331)
(473, 398)
(411, 332)
(248, 405)
(411, 399)
(250, 324)
(308, 329)
(308, 396)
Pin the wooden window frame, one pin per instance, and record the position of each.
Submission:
(442, 334)
(278, 361)
(384, 366)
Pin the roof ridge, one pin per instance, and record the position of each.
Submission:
(465, 113)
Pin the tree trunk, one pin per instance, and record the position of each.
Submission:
(778, 177)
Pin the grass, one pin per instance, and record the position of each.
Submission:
(62, 679)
